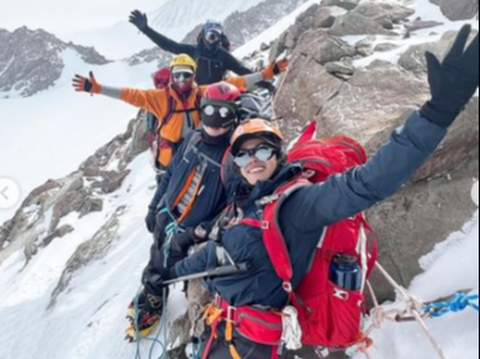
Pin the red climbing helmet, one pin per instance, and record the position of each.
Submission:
(219, 107)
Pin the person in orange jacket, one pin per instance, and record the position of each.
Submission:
(177, 106)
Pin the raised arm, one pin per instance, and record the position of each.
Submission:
(140, 20)
(234, 65)
(453, 83)
(343, 196)
(150, 100)
(248, 82)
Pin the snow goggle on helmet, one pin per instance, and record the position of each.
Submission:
(219, 114)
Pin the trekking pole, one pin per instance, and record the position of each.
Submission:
(416, 314)
(217, 272)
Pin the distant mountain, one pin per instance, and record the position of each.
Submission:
(31, 61)
(177, 17)
(244, 26)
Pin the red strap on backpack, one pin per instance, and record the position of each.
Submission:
(272, 237)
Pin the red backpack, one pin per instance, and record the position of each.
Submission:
(329, 316)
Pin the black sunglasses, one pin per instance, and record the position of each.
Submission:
(261, 152)
(185, 75)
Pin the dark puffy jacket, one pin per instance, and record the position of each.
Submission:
(308, 211)
(195, 150)
(212, 63)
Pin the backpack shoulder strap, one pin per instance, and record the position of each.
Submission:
(272, 236)
(169, 112)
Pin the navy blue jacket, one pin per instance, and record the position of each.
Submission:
(308, 211)
(211, 198)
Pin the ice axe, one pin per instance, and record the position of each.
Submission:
(213, 273)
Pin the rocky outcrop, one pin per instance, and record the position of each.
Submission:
(459, 9)
(326, 16)
(154, 55)
(343, 18)
(38, 222)
(32, 61)
(371, 18)
(345, 4)
(324, 48)
(414, 58)
(92, 250)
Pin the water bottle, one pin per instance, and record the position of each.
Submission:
(346, 272)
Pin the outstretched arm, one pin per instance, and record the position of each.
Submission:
(234, 65)
(150, 100)
(248, 82)
(140, 20)
(453, 83)
(343, 196)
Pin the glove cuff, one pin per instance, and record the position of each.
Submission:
(436, 116)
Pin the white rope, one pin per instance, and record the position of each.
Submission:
(414, 308)
(292, 332)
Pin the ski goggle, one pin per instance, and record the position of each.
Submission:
(213, 35)
(218, 116)
(183, 75)
(262, 153)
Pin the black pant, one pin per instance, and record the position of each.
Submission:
(157, 256)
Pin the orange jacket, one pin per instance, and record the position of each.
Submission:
(172, 123)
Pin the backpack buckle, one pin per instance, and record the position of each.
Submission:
(341, 294)
(265, 225)
(287, 287)
(231, 314)
(268, 200)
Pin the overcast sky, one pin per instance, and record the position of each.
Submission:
(64, 16)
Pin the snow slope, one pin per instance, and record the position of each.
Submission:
(49, 135)
(88, 322)
(452, 267)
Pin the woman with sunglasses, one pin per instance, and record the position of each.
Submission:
(211, 52)
(176, 106)
(304, 215)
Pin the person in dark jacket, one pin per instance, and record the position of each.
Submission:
(213, 59)
(191, 193)
(256, 147)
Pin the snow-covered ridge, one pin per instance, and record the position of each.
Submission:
(31, 61)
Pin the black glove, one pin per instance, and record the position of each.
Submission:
(182, 242)
(151, 219)
(139, 19)
(453, 82)
(155, 284)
